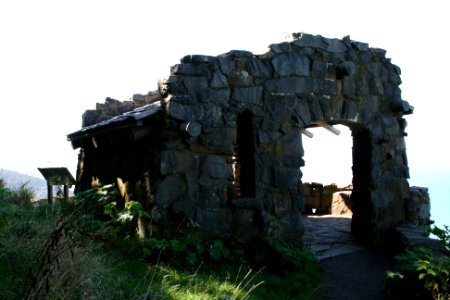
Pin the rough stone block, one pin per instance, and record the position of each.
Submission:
(348, 86)
(219, 81)
(335, 45)
(281, 47)
(315, 109)
(319, 69)
(250, 95)
(287, 179)
(303, 112)
(216, 96)
(197, 58)
(281, 205)
(290, 64)
(289, 85)
(194, 84)
(247, 223)
(258, 68)
(308, 40)
(175, 85)
(376, 87)
(166, 193)
(175, 162)
(216, 167)
(218, 140)
(418, 206)
(214, 222)
(325, 107)
(281, 113)
(189, 69)
(290, 143)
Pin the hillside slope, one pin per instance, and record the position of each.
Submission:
(15, 180)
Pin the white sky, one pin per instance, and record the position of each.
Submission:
(58, 58)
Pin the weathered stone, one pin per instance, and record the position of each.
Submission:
(319, 69)
(206, 114)
(198, 59)
(216, 167)
(286, 179)
(341, 203)
(227, 64)
(335, 45)
(166, 193)
(219, 140)
(281, 47)
(189, 69)
(250, 95)
(247, 223)
(281, 205)
(303, 112)
(194, 84)
(290, 143)
(174, 162)
(376, 87)
(289, 64)
(346, 68)
(246, 202)
(241, 78)
(288, 85)
(307, 40)
(258, 68)
(348, 86)
(219, 81)
(325, 107)
(315, 109)
(217, 96)
(214, 222)
(281, 113)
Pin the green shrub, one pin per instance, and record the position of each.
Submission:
(420, 274)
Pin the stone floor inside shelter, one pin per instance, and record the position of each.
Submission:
(329, 236)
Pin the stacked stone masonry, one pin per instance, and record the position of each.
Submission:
(228, 154)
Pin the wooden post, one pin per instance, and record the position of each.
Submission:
(50, 193)
(66, 192)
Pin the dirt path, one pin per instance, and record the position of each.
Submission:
(352, 271)
(359, 275)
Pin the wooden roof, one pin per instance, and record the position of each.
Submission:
(126, 120)
(57, 176)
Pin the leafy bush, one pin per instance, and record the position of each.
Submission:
(420, 274)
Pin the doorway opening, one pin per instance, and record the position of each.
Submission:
(337, 180)
(327, 175)
(244, 157)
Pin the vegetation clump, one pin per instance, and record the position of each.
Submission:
(421, 273)
(89, 248)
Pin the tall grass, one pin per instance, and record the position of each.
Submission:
(75, 251)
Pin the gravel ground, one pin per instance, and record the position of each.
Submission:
(355, 276)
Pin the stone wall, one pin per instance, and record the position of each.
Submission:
(230, 153)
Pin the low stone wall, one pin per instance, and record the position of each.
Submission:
(327, 199)
(113, 107)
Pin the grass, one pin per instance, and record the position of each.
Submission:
(70, 252)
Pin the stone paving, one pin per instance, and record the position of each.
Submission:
(329, 236)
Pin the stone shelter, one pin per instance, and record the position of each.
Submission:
(217, 149)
